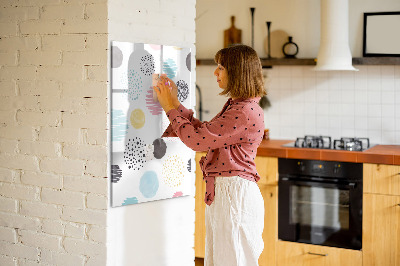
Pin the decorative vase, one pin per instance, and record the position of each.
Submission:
(290, 49)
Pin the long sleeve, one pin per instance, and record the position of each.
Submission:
(231, 138)
(188, 114)
(225, 130)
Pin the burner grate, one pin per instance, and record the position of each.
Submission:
(320, 142)
(324, 142)
(351, 144)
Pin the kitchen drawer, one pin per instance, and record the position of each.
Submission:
(267, 168)
(298, 254)
(381, 179)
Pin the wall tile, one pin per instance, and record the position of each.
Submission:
(388, 97)
(341, 104)
(388, 110)
(361, 124)
(374, 110)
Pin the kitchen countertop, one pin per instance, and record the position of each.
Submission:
(379, 154)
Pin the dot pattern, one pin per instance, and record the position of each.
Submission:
(135, 85)
(147, 65)
(134, 154)
(231, 138)
(172, 171)
(123, 82)
(183, 90)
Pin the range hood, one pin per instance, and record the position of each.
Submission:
(334, 51)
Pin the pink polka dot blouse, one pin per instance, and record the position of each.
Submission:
(231, 139)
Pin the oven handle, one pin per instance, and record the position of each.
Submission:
(329, 184)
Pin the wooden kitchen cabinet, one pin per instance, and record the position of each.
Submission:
(298, 254)
(200, 207)
(270, 233)
(381, 215)
(381, 230)
(267, 168)
(381, 179)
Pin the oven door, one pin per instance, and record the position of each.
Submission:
(321, 212)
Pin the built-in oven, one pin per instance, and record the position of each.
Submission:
(320, 202)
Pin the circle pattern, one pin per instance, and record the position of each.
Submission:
(137, 118)
(183, 90)
(134, 154)
(172, 171)
(116, 57)
(160, 148)
(189, 61)
(149, 184)
(147, 65)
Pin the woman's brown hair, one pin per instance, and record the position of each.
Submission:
(245, 78)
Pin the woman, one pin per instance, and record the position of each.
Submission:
(235, 207)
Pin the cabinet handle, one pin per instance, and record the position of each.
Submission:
(318, 254)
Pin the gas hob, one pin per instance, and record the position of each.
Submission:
(325, 142)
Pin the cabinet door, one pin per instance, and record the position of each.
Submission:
(381, 230)
(200, 207)
(381, 179)
(267, 168)
(297, 254)
(270, 233)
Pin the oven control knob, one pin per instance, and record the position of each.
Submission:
(336, 169)
(302, 167)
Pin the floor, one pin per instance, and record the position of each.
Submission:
(199, 262)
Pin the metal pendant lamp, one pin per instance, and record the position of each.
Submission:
(334, 51)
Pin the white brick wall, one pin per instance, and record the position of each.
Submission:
(53, 120)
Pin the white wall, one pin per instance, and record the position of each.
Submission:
(160, 232)
(299, 18)
(338, 104)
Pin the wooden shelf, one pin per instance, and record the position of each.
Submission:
(376, 61)
(312, 61)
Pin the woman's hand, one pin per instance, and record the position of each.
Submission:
(174, 90)
(164, 95)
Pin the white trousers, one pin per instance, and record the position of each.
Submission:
(234, 223)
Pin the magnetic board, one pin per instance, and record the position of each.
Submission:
(145, 167)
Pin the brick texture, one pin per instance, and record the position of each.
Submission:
(53, 80)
